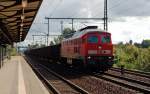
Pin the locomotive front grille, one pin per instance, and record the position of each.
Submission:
(92, 52)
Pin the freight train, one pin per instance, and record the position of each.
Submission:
(88, 47)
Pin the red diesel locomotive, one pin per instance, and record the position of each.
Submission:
(88, 47)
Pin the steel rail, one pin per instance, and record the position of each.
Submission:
(67, 81)
(129, 79)
(139, 73)
(50, 87)
(121, 82)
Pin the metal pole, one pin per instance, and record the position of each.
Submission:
(5, 52)
(72, 24)
(105, 16)
(61, 26)
(33, 39)
(41, 41)
(48, 32)
(77, 18)
(0, 57)
(45, 40)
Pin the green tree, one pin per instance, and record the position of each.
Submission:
(133, 57)
(57, 40)
(130, 42)
(51, 43)
(137, 44)
(145, 43)
(42, 45)
(33, 46)
(67, 32)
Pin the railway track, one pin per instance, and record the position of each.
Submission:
(134, 84)
(56, 83)
(129, 79)
(89, 82)
(138, 81)
(125, 82)
(97, 86)
(138, 73)
(132, 76)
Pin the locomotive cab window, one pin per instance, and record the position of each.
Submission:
(92, 39)
(105, 39)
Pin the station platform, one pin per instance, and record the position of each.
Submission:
(17, 77)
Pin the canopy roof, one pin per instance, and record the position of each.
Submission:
(16, 17)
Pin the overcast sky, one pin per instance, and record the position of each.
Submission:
(128, 19)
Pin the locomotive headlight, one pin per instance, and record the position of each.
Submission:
(109, 57)
(99, 47)
(89, 57)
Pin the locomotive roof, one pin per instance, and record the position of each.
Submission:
(79, 34)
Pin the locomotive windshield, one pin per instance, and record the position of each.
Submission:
(105, 39)
(92, 39)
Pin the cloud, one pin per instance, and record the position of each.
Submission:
(134, 28)
(129, 8)
(128, 19)
(117, 19)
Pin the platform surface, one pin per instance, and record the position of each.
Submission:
(17, 77)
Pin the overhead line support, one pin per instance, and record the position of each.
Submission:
(72, 19)
(105, 15)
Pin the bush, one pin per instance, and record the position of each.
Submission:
(13, 51)
(133, 57)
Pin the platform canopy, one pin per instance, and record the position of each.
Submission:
(16, 17)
